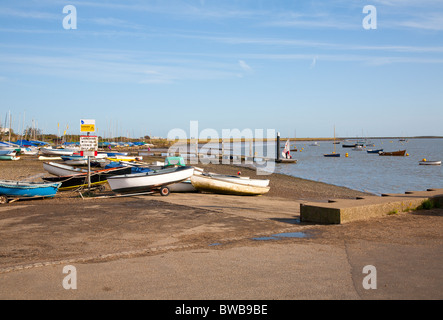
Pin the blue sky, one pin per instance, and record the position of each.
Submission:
(146, 67)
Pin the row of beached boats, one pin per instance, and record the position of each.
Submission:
(126, 178)
(135, 178)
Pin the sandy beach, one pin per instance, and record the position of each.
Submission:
(205, 246)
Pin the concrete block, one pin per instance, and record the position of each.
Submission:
(338, 211)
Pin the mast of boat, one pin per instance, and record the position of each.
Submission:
(334, 139)
(10, 125)
(295, 139)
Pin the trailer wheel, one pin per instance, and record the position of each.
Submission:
(3, 200)
(164, 191)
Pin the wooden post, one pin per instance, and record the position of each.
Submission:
(89, 172)
(278, 147)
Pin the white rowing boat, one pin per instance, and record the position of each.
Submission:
(214, 183)
(148, 181)
(61, 170)
(57, 152)
(430, 163)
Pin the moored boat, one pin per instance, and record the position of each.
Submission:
(374, 150)
(229, 185)
(425, 162)
(399, 153)
(334, 154)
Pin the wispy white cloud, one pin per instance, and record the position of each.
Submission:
(115, 67)
(28, 14)
(314, 62)
(244, 66)
(432, 21)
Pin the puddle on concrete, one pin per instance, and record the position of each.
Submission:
(265, 238)
(282, 235)
(291, 235)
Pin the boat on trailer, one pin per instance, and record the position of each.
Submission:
(150, 181)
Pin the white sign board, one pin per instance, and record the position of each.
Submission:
(87, 125)
(88, 143)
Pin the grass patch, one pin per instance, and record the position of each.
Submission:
(428, 205)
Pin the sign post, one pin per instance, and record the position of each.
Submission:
(88, 144)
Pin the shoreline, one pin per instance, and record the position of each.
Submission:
(282, 186)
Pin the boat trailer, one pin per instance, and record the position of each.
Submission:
(164, 192)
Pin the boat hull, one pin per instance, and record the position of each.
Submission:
(374, 151)
(242, 180)
(58, 169)
(10, 157)
(57, 152)
(213, 185)
(430, 163)
(81, 180)
(148, 181)
(28, 190)
(332, 155)
(184, 186)
(6, 152)
(75, 160)
(286, 160)
(400, 153)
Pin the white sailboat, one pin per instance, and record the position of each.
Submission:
(286, 153)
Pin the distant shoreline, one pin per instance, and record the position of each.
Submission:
(192, 141)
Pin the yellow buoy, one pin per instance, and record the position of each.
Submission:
(347, 155)
(424, 160)
(407, 154)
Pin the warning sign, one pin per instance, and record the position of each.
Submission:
(88, 143)
(87, 125)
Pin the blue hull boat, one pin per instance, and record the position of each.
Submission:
(332, 155)
(19, 189)
(6, 152)
(374, 151)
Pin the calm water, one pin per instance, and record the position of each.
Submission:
(371, 172)
(362, 171)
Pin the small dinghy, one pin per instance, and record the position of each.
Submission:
(425, 162)
(233, 185)
(26, 190)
